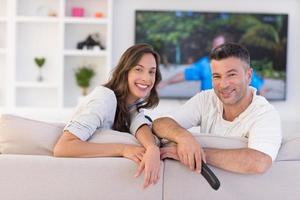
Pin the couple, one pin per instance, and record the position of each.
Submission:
(232, 108)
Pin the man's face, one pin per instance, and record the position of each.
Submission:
(231, 78)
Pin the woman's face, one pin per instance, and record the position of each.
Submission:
(141, 78)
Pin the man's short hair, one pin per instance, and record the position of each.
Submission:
(227, 50)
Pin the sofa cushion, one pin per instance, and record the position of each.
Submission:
(54, 178)
(221, 142)
(279, 182)
(20, 135)
(290, 147)
(111, 136)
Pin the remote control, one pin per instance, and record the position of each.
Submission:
(210, 176)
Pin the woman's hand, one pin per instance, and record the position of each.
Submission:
(134, 153)
(151, 165)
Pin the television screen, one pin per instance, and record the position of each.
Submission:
(184, 40)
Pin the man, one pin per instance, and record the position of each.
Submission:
(201, 70)
(232, 108)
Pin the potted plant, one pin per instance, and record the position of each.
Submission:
(40, 61)
(83, 76)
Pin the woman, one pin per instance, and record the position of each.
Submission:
(118, 105)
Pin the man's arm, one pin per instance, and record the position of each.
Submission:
(177, 78)
(168, 128)
(244, 160)
(189, 150)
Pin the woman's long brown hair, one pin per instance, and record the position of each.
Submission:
(119, 84)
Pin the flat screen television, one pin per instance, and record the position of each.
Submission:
(182, 38)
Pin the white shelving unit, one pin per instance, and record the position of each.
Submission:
(77, 29)
(46, 28)
(3, 19)
(3, 9)
(3, 52)
(86, 20)
(25, 19)
(86, 53)
(34, 84)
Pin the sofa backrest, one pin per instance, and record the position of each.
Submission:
(20, 135)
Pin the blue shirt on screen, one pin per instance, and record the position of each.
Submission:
(200, 70)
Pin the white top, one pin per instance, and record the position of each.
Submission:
(97, 111)
(260, 122)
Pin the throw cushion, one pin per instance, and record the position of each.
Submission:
(20, 135)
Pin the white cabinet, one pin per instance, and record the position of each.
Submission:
(47, 28)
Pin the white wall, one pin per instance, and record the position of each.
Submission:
(123, 36)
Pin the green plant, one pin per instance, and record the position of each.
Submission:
(83, 77)
(39, 61)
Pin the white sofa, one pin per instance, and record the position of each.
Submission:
(28, 171)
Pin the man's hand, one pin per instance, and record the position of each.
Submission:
(190, 152)
(169, 152)
(150, 163)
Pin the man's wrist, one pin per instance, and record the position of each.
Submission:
(180, 136)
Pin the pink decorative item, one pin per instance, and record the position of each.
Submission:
(99, 14)
(77, 12)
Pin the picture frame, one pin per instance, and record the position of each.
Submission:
(183, 37)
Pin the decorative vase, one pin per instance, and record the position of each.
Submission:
(77, 12)
(84, 91)
(40, 77)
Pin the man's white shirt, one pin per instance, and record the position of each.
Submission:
(260, 122)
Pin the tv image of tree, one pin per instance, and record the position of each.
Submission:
(182, 37)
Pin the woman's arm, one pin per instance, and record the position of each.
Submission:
(71, 146)
(151, 159)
